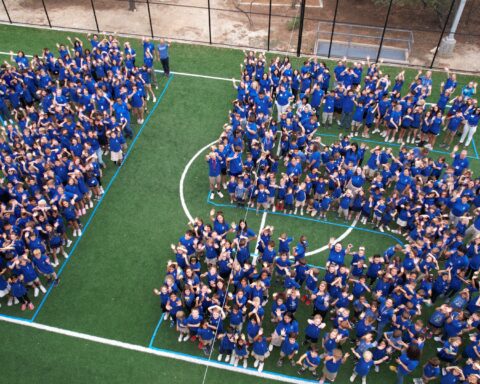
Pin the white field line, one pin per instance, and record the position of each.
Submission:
(182, 180)
(340, 238)
(157, 352)
(262, 225)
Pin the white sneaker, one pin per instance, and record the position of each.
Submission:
(186, 338)
(352, 378)
(245, 363)
(255, 364)
(69, 243)
(392, 140)
(141, 121)
(235, 363)
(84, 211)
(227, 358)
(212, 196)
(10, 302)
(224, 185)
(42, 288)
(219, 358)
(91, 204)
(65, 254)
(154, 99)
(36, 291)
(386, 139)
(377, 368)
(220, 194)
(270, 347)
(260, 367)
(15, 301)
(180, 338)
(165, 316)
(79, 232)
(274, 209)
(364, 380)
(408, 140)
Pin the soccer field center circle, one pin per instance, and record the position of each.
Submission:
(191, 218)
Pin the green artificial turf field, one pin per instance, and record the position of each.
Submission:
(106, 287)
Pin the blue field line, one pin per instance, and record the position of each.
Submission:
(307, 219)
(152, 339)
(204, 359)
(132, 145)
(475, 149)
(383, 143)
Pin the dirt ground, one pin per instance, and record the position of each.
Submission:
(245, 23)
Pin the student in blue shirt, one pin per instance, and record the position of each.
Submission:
(163, 54)
(407, 363)
(333, 362)
(431, 370)
(288, 350)
(309, 361)
(362, 367)
(19, 292)
(260, 350)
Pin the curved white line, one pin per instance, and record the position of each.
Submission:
(340, 238)
(190, 217)
(182, 179)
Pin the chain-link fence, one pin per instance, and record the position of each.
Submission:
(426, 33)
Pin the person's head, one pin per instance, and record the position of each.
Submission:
(413, 352)
(367, 356)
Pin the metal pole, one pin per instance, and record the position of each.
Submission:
(456, 20)
(150, 18)
(95, 15)
(6, 11)
(269, 24)
(300, 28)
(46, 13)
(209, 23)
(443, 31)
(333, 29)
(384, 29)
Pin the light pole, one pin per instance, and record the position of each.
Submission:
(448, 42)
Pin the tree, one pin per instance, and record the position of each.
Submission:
(440, 7)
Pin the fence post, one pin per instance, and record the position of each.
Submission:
(269, 23)
(300, 28)
(95, 15)
(441, 35)
(384, 29)
(333, 29)
(150, 18)
(46, 14)
(209, 23)
(6, 11)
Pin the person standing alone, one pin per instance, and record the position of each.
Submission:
(163, 55)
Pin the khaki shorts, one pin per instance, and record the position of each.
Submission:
(277, 340)
(260, 358)
(116, 156)
(330, 376)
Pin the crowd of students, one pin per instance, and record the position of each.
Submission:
(227, 283)
(61, 112)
